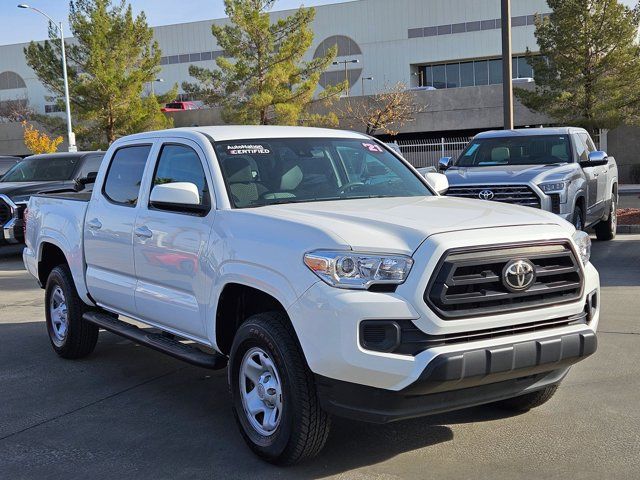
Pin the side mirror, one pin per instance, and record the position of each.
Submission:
(177, 197)
(438, 181)
(445, 163)
(596, 159)
(90, 178)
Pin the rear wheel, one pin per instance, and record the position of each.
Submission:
(606, 230)
(527, 401)
(70, 335)
(274, 395)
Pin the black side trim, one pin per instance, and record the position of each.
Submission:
(158, 342)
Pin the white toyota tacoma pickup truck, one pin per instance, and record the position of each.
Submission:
(329, 275)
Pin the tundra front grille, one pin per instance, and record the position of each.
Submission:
(516, 194)
(473, 282)
(5, 212)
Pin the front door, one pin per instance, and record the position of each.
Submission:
(591, 175)
(108, 230)
(169, 246)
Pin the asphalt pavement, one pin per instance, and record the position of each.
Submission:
(129, 412)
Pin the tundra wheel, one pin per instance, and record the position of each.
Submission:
(274, 394)
(578, 219)
(70, 335)
(607, 230)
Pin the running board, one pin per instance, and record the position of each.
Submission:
(157, 341)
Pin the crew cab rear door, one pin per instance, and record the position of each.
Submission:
(170, 244)
(108, 229)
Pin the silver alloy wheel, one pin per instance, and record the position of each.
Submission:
(614, 216)
(261, 391)
(59, 315)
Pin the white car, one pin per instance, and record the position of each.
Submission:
(328, 274)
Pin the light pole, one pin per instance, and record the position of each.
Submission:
(159, 80)
(346, 73)
(420, 75)
(507, 74)
(70, 135)
(362, 80)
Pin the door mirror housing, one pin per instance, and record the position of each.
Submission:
(596, 159)
(444, 163)
(177, 197)
(438, 181)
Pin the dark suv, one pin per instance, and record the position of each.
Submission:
(48, 173)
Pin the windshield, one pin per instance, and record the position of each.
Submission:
(524, 150)
(291, 170)
(42, 169)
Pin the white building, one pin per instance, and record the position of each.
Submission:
(443, 43)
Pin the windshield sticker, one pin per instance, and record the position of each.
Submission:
(373, 148)
(472, 149)
(247, 150)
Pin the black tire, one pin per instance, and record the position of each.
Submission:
(80, 337)
(303, 426)
(606, 230)
(526, 402)
(578, 218)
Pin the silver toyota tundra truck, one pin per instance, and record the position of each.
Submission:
(556, 169)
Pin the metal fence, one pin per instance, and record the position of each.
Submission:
(426, 152)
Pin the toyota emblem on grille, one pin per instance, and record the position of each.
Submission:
(518, 275)
(486, 195)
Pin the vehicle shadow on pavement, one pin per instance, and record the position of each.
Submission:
(618, 261)
(128, 410)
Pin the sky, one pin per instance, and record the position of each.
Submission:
(20, 25)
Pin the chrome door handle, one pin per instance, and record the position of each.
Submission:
(94, 224)
(143, 232)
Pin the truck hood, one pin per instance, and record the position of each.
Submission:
(507, 174)
(402, 224)
(21, 191)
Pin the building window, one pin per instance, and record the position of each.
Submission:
(489, 24)
(11, 80)
(53, 108)
(471, 73)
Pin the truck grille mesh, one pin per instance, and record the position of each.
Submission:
(515, 194)
(469, 282)
(5, 212)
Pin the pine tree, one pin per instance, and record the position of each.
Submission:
(262, 77)
(589, 64)
(110, 65)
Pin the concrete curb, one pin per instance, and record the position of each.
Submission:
(622, 229)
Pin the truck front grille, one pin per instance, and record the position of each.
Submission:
(472, 282)
(5, 212)
(516, 194)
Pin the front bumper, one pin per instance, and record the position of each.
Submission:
(463, 379)
(13, 231)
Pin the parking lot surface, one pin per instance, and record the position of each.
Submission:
(129, 412)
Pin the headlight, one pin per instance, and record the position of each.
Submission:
(358, 270)
(583, 243)
(552, 187)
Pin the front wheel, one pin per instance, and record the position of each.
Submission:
(578, 219)
(274, 395)
(70, 335)
(606, 230)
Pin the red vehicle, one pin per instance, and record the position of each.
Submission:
(179, 106)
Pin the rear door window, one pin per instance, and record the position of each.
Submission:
(124, 177)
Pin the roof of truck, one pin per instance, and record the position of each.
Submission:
(248, 132)
(526, 132)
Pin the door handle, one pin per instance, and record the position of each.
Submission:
(94, 224)
(143, 232)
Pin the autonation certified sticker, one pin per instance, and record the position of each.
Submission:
(247, 150)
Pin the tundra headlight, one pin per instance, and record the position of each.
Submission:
(583, 245)
(358, 270)
(552, 187)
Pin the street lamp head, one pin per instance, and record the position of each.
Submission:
(23, 5)
(355, 61)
